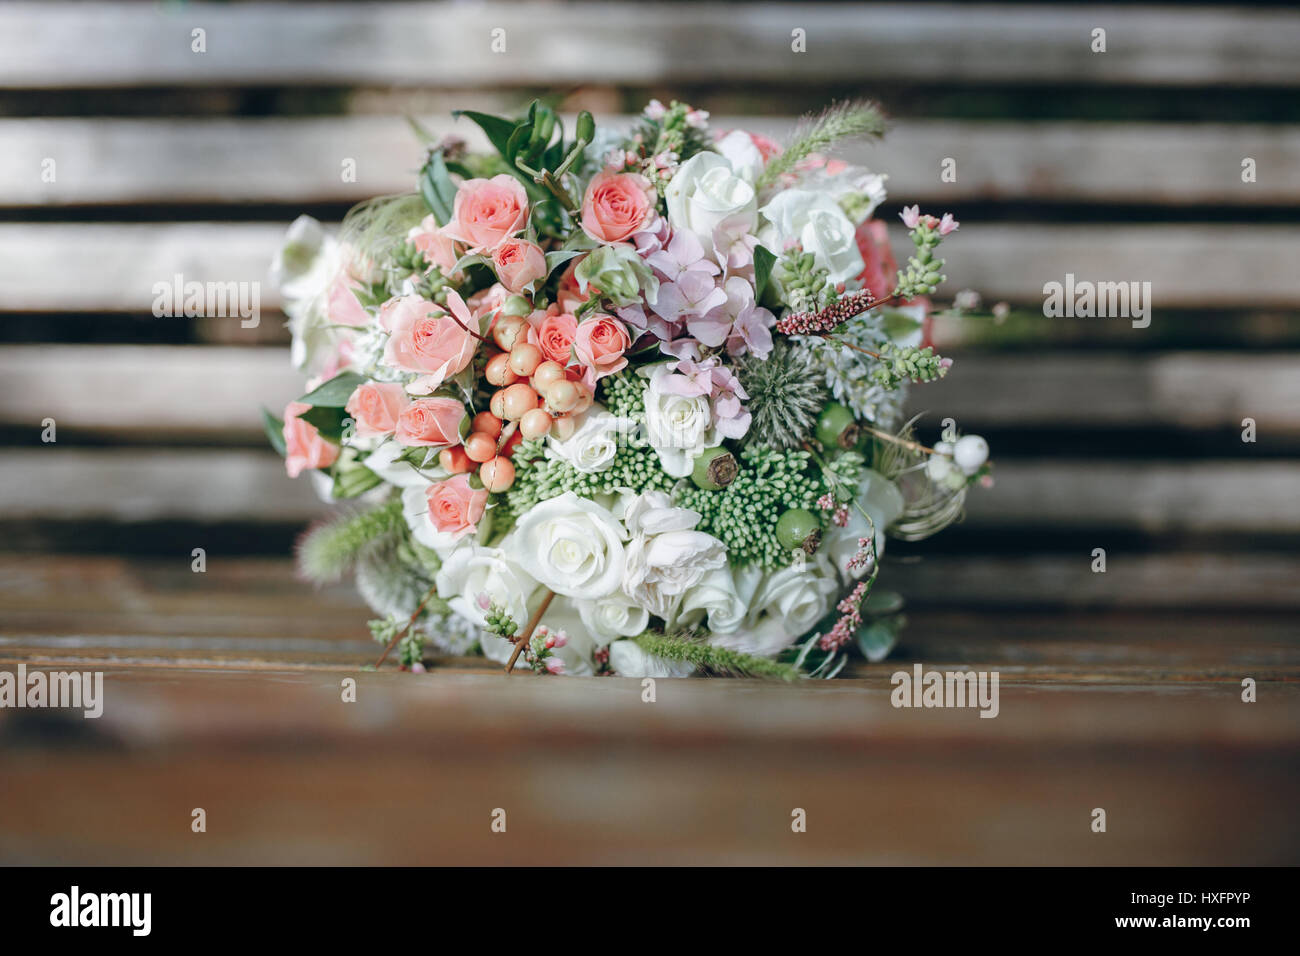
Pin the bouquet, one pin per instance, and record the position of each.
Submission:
(625, 401)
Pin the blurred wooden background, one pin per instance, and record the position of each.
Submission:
(1122, 165)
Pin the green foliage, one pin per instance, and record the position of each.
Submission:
(786, 394)
(329, 549)
(436, 187)
(334, 393)
(716, 660)
(372, 230)
(623, 394)
(818, 134)
(744, 514)
(901, 364)
(635, 466)
(274, 428)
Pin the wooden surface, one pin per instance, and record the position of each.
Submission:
(1119, 690)
(223, 691)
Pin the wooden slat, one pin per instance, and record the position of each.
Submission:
(53, 483)
(709, 772)
(299, 160)
(449, 44)
(214, 391)
(118, 264)
(67, 604)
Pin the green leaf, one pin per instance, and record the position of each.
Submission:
(473, 259)
(336, 392)
(274, 432)
(898, 325)
(498, 130)
(559, 257)
(438, 190)
(355, 480)
(877, 640)
(329, 421)
(763, 262)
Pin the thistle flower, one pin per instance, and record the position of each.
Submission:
(786, 395)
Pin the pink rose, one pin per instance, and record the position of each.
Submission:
(486, 301)
(617, 205)
(553, 332)
(375, 406)
(518, 262)
(343, 306)
(303, 446)
(431, 421)
(600, 344)
(487, 212)
(455, 507)
(432, 242)
(567, 293)
(425, 338)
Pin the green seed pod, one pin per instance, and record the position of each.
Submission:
(799, 528)
(836, 427)
(715, 469)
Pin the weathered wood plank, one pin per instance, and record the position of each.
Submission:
(299, 160)
(709, 772)
(214, 391)
(68, 484)
(118, 264)
(450, 44)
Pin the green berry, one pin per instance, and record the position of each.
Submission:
(517, 305)
(799, 528)
(715, 469)
(836, 427)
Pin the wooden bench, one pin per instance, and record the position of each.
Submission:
(1121, 690)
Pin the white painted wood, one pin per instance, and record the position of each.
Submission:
(1211, 266)
(60, 44)
(204, 391)
(299, 160)
(64, 483)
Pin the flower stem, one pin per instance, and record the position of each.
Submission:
(886, 436)
(398, 636)
(521, 640)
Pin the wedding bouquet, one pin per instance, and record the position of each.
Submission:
(625, 401)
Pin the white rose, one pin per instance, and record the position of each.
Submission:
(716, 599)
(679, 427)
(571, 545)
(704, 193)
(629, 660)
(594, 444)
(881, 499)
(609, 618)
(666, 557)
(739, 149)
(474, 570)
(817, 222)
(786, 605)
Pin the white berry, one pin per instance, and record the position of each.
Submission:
(970, 453)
